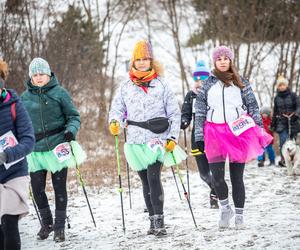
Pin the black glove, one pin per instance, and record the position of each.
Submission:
(69, 136)
(2, 158)
(184, 124)
(200, 145)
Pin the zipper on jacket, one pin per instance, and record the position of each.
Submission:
(41, 116)
(212, 113)
(224, 103)
(237, 113)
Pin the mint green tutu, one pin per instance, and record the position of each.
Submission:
(140, 156)
(179, 155)
(48, 161)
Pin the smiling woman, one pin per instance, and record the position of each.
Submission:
(56, 122)
(228, 123)
(145, 97)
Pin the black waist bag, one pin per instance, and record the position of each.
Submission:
(55, 131)
(156, 125)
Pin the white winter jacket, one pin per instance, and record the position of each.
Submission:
(224, 104)
(160, 101)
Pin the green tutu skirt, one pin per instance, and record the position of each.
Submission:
(48, 161)
(140, 156)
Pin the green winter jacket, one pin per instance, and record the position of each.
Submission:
(50, 107)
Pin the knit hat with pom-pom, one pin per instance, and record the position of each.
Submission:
(201, 72)
(281, 80)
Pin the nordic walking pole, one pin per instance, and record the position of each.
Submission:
(120, 180)
(185, 193)
(127, 170)
(187, 165)
(176, 182)
(34, 205)
(82, 185)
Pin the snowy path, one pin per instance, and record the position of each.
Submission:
(272, 217)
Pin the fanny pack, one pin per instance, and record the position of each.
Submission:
(156, 125)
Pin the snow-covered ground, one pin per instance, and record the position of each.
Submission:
(272, 215)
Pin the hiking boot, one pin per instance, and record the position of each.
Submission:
(239, 221)
(152, 228)
(47, 223)
(272, 163)
(145, 210)
(281, 163)
(213, 200)
(225, 216)
(261, 163)
(59, 235)
(59, 225)
(44, 232)
(159, 226)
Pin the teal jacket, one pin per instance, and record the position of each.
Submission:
(50, 107)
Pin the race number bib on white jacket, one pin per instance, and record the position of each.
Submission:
(240, 125)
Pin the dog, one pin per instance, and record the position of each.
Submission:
(291, 155)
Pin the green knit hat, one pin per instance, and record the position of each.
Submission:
(39, 66)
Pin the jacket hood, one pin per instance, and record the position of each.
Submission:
(13, 98)
(35, 89)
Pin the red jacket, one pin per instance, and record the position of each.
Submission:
(267, 123)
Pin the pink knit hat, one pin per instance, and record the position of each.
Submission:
(222, 51)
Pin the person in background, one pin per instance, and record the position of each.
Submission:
(56, 122)
(286, 106)
(267, 119)
(200, 74)
(14, 179)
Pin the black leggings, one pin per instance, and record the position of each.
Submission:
(9, 233)
(204, 170)
(202, 164)
(237, 182)
(152, 188)
(59, 181)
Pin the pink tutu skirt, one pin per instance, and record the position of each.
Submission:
(220, 142)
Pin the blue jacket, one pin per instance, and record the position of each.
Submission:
(23, 131)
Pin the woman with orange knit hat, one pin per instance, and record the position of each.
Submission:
(148, 99)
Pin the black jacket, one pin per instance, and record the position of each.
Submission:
(187, 114)
(286, 103)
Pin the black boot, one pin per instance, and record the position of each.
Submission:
(47, 223)
(59, 226)
(213, 198)
(281, 163)
(159, 225)
(59, 235)
(152, 228)
(261, 163)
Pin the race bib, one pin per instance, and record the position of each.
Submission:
(155, 144)
(63, 151)
(8, 140)
(240, 125)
